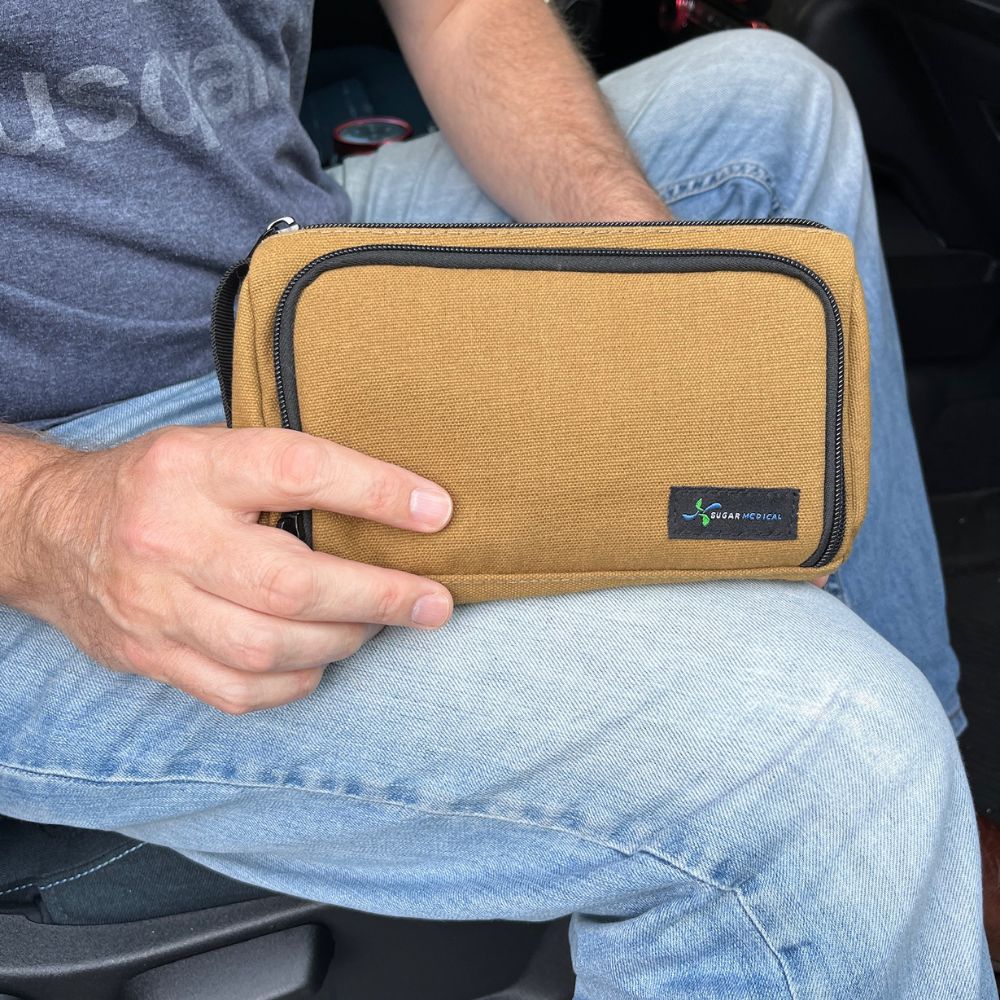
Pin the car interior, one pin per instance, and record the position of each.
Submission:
(96, 916)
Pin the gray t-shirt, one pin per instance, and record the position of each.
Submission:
(144, 145)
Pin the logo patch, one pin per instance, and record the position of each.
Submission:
(732, 513)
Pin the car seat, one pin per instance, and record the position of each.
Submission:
(89, 915)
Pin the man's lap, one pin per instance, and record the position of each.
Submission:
(707, 724)
(607, 716)
(708, 761)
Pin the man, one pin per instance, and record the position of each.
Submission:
(738, 789)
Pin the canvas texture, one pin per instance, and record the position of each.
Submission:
(584, 423)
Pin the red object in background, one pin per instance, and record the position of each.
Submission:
(365, 135)
(676, 15)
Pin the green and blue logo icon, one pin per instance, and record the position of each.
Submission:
(702, 512)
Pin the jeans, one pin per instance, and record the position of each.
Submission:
(738, 789)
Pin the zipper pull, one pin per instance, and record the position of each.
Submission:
(286, 224)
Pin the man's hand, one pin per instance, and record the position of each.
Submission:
(150, 558)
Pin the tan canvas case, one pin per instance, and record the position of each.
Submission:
(607, 405)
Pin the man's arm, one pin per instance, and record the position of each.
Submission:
(522, 109)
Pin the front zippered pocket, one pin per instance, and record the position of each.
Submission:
(587, 260)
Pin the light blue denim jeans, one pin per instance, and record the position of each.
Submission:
(739, 789)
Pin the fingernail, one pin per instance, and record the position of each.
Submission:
(430, 508)
(431, 610)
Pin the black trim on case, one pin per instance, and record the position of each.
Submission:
(223, 328)
(591, 260)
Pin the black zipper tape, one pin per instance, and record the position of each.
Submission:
(590, 259)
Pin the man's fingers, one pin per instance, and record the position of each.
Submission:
(268, 469)
(232, 691)
(249, 640)
(280, 576)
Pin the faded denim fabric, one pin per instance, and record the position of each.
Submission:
(738, 789)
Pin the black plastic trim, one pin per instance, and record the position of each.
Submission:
(486, 960)
(592, 260)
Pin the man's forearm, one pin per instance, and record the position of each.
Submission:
(521, 108)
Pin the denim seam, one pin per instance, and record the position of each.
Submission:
(451, 813)
(73, 878)
(786, 973)
(712, 179)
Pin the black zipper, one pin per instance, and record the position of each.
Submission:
(299, 522)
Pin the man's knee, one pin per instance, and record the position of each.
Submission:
(874, 751)
(899, 731)
(757, 693)
(770, 74)
(837, 716)
(759, 103)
